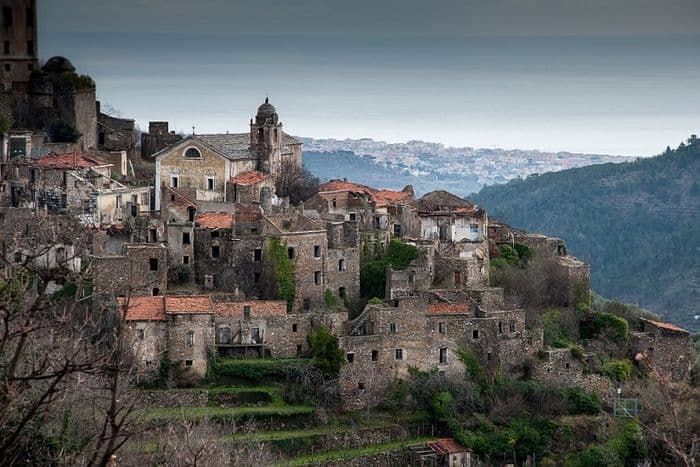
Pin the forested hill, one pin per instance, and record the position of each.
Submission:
(637, 223)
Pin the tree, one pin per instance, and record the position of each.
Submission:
(327, 355)
(62, 132)
(297, 182)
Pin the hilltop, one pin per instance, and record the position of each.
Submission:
(638, 223)
(431, 166)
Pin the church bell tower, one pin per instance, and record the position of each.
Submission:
(265, 139)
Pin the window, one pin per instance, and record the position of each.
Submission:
(335, 202)
(8, 67)
(298, 349)
(190, 212)
(257, 254)
(65, 178)
(341, 265)
(64, 201)
(307, 304)
(30, 17)
(500, 327)
(140, 334)
(154, 235)
(488, 356)
(153, 264)
(18, 257)
(353, 216)
(193, 153)
(223, 335)
(294, 327)
(210, 183)
(290, 253)
(30, 47)
(256, 277)
(475, 334)
(341, 292)
(361, 386)
(350, 356)
(188, 362)
(317, 277)
(7, 16)
(215, 233)
(399, 354)
(6, 47)
(246, 311)
(174, 181)
(511, 326)
(189, 338)
(397, 230)
(155, 291)
(442, 327)
(317, 251)
(392, 328)
(443, 355)
(375, 355)
(185, 259)
(411, 277)
(185, 238)
(215, 251)
(119, 201)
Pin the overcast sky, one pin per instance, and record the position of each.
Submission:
(606, 76)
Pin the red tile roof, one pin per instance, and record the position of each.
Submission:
(188, 304)
(249, 178)
(667, 326)
(142, 308)
(448, 308)
(258, 308)
(70, 160)
(380, 197)
(215, 220)
(446, 446)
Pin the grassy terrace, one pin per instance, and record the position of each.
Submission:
(196, 414)
(342, 454)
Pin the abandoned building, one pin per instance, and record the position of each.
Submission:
(207, 163)
(115, 134)
(157, 138)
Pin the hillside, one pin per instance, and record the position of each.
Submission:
(637, 223)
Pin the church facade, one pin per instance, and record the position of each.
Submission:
(205, 164)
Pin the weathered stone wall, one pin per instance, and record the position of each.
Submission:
(667, 351)
(132, 271)
(342, 272)
(173, 398)
(157, 138)
(487, 298)
(148, 342)
(192, 359)
(115, 134)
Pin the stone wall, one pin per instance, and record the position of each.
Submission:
(173, 398)
(133, 271)
(192, 360)
(667, 350)
(157, 138)
(115, 134)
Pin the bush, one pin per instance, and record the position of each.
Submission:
(509, 254)
(581, 402)
(327, 355)
(400, 254)
(257, 369)
(617, 370)
(62, 132)
(442, 406)
(612, 326)
(329, 298)
(524, 252)
(279, 281)
(375, 301)
(373, 279)
(620, 450)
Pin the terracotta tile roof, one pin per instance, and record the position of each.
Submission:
(667, 326)
(249, 178)
(142, 308)
(446, 446)
(188, 304)
(70, 160)
(448, 308)
(441, 200)
(215, 220)
(258, 308)
(380, 197)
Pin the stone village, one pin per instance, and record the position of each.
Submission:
(185, 255)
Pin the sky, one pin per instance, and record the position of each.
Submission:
(600, 76)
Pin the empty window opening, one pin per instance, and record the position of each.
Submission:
(341, 292)
(500, 327)
(140, 334)
(189, 338)
(223, 335)
(185, 259)
(568, 365)
(294, 327)
(210, 183)
(353, 216)
(153, 264)
(256, 277)
(257, 254)
(298, 349)
(190, 212)
(399, 354)
(215, 251)
(475, 333)
(215, 233)
(317, 251)
(246, 311)
(317, 277)
(375, 355)
(154, 235)
(185, 238)
(511, 326)
(335, 202)
(488, 356)
(290, 253)
(174, 181)
(361, 386)
(156, 291)
(350, 356)
(392, 328)
(443, 355)
(341, 265)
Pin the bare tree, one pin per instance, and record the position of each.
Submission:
(296, 182)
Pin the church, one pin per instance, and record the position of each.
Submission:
(224, 167)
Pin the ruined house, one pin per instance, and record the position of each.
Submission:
(662, 347)
(115, 134)
(157, 138)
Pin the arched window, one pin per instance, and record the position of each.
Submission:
(193, 153)
(189, 338)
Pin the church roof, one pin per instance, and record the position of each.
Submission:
(232, 146)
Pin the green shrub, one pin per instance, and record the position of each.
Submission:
(400, 254)
(280, 270)
(375, 301)
(373, 279)
(62, 132)
(617, 370)
(257, 369)
(524, 252)
(329, 298)
(473, 366)
(576, 350)
(327, 355)
(581, 402)
(620, 450)
(612, 326)
(554, 332)
(509, 254)
(442, 406)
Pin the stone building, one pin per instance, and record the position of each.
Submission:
(140, 269)
(663, 347)
(157, 138)
(206, 163)
(19, 39)
(77, 183)
(115, 134)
